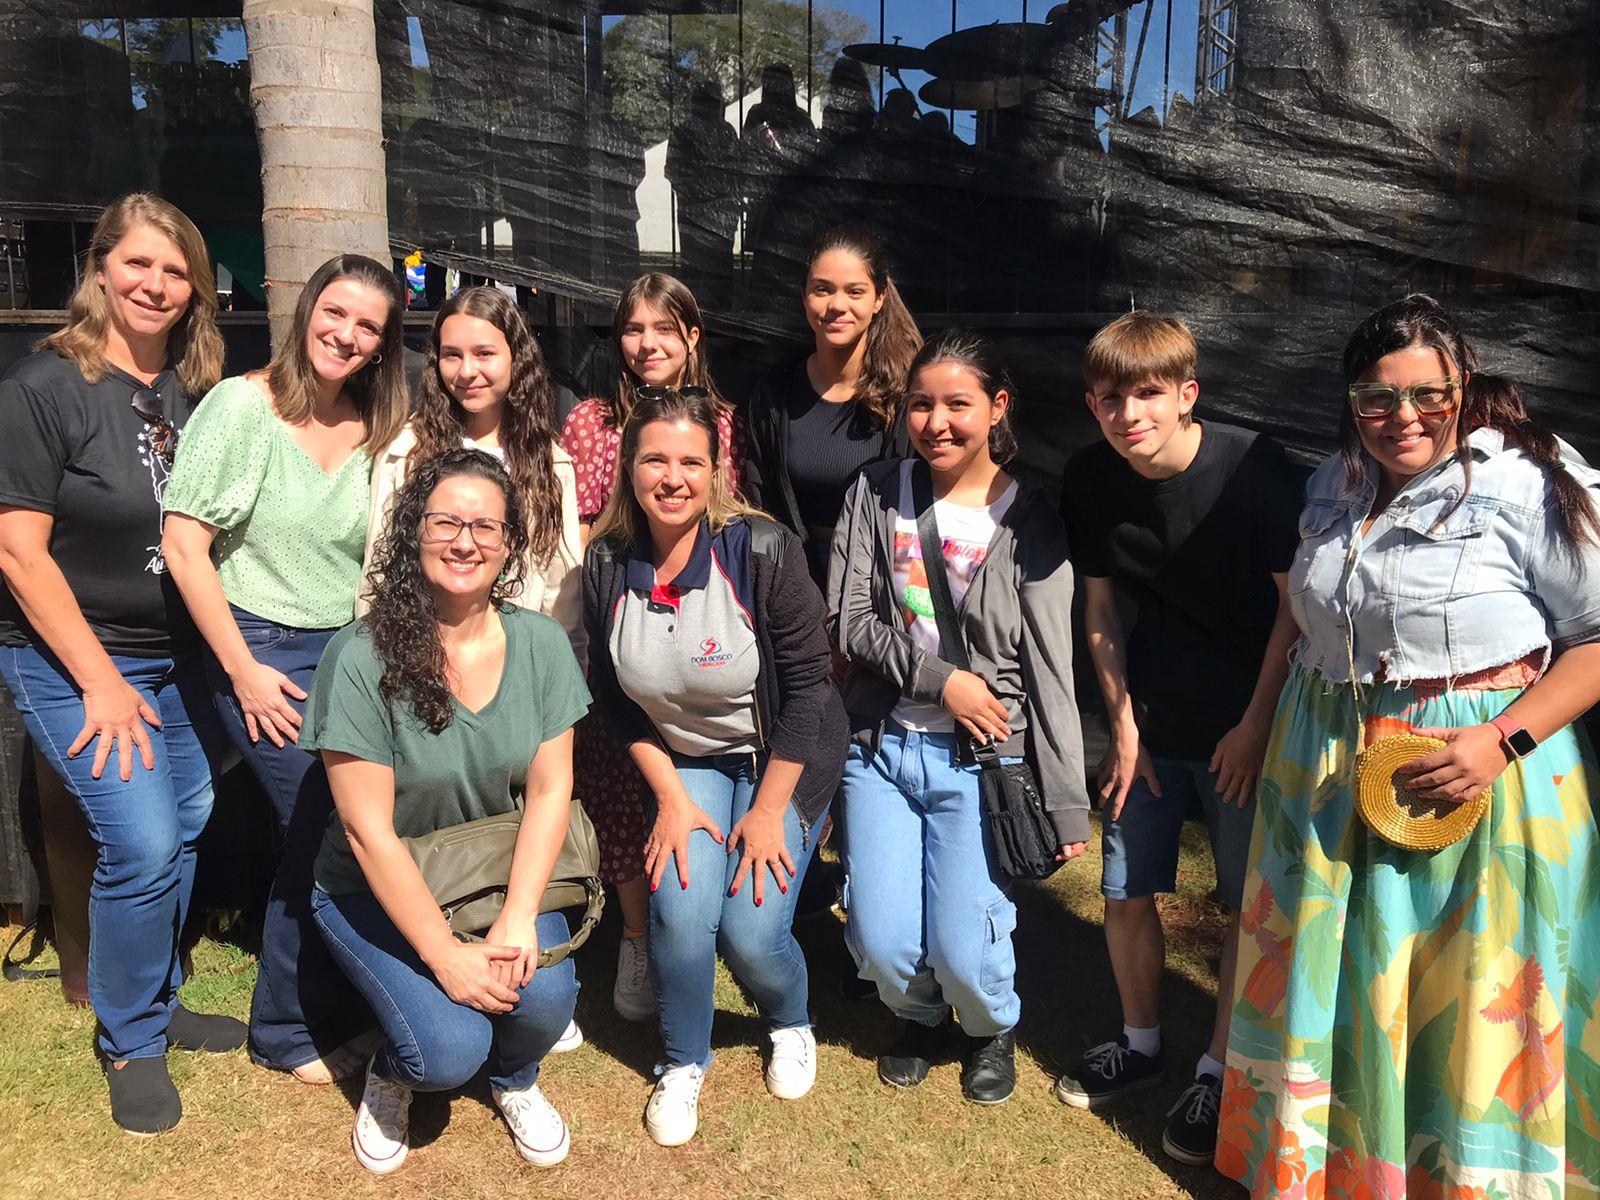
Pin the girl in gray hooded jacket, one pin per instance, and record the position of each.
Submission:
(910, 789)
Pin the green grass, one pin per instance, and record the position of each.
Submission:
(255, 1134)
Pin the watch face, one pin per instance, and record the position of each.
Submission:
(1521, 743)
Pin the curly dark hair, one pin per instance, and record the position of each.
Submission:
(527, 428)
(403, 618)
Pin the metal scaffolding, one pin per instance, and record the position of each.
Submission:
(1218, 48)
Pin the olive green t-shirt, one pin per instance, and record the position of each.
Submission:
(474, 767)
(290, 536)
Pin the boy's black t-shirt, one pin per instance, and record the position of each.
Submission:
(1195, 555)
(78, 451)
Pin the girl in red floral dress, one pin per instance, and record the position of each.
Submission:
(658, 335)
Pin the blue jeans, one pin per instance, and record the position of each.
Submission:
(1139, 850)
(929, 919)
(303, 1005)
(435, 1044)
(688, 926)
(145, 831)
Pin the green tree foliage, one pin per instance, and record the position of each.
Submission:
(651, 74)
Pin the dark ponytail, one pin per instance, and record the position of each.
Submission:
(1487, 402)
(892, 337)
(1494, 402)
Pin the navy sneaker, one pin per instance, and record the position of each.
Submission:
(1191, 1135)
(1106, 1072)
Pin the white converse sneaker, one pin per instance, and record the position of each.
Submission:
(536, 1127)
(792, 1069)
(381, 1135)
(673, 1112)
(633, 997)
(570, 1040)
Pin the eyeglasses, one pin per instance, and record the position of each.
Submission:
(161, 436)
(487, 533)
(1430, 399)
(652, 392)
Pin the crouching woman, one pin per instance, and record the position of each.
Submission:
(443, 705)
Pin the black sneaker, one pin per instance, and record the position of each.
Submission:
(143, 1100)
(1191, 1135)
(990, 1073)
(1106, 1072)
(905, 1064)
(204, 1031)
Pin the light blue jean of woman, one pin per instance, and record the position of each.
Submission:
(929, 919)
(689, 926)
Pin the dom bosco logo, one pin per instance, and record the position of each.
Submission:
(711, 654)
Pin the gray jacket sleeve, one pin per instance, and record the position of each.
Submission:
(853, 621)
(1055, 735)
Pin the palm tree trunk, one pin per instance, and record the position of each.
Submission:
(314, 85)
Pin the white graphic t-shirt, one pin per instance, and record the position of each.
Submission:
(965, 534)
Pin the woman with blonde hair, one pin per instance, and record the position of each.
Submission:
(95, 646)
(658, 333)
(707, 649)
(266, 528)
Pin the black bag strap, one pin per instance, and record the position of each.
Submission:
(952, 644)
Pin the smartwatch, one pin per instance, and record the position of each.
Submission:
(1517, 740)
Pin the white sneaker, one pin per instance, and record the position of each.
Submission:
(633, 997)
(570, 1040)
(792, 1069)
(536, 1127)
(381, 1135)
(673, 1112)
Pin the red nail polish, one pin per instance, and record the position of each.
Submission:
(683, 884)
(758, 902)
(653, 887)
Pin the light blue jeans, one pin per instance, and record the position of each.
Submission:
(929, 919)
(688, 926)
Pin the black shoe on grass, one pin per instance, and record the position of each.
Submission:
(1106, 1072)
(204, 1031)
(143, 1100)
(990, 1073)
(1191, 1135)
(906, 1063)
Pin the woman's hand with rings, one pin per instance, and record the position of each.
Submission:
(676, 819)
(765, 850)
(117, 714)
(1472, 760)
(261, 691)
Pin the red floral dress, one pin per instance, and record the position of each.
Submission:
(613, 792)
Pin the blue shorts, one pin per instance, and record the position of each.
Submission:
(1140, 848)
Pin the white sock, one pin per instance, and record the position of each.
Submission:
(1143, 1041)
(1208, 1066)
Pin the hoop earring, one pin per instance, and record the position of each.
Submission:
(377, 358)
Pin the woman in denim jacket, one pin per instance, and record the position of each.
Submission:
(1411, 1022)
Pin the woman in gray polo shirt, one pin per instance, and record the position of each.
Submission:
(707, 651)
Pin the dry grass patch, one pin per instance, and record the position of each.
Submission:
(257, 1135)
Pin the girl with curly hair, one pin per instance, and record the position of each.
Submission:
(657, 331)
(445, 704)
(485, 386)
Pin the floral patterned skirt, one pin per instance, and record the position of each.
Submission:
(1414, 1026)
(614, 795)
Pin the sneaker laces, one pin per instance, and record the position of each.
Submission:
(387, 1103)
(1106, 1059)
(674, 1079)
(638, 963)
(1203, 1100)
(790, 1044)
(529, 1102)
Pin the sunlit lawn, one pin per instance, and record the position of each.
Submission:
(251, 1133)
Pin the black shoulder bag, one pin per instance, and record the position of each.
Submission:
(1023, 839)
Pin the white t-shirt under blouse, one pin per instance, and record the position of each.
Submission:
(965, 534)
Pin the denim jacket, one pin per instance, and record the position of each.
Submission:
(1425, 595)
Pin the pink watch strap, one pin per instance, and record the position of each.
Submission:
(1506, 726)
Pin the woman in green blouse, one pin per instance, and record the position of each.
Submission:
(266, 524)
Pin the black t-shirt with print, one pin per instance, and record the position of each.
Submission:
(1194, 555)
(78, 451)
